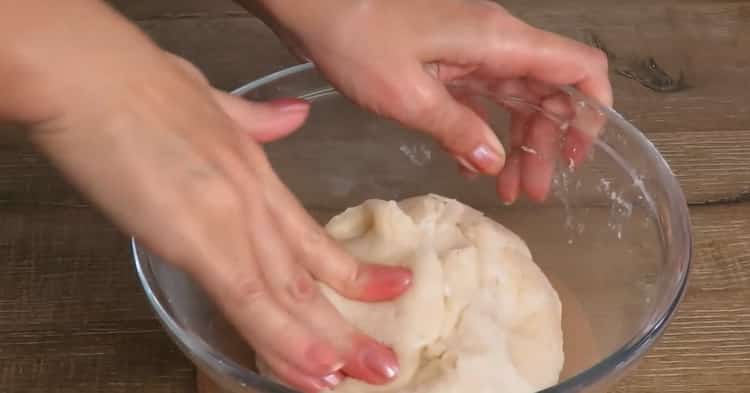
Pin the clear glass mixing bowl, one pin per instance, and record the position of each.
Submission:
(614, 236)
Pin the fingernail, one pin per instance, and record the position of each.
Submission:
(316, 386)
(290, 105)
(331, 380)
(485, 158)
(381, 361)
(385, 282)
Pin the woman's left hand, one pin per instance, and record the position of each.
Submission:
(396, 58)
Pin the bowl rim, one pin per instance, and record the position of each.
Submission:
(202, 354)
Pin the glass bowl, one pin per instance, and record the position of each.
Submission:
(613, 237)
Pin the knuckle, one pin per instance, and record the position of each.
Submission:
(599, 58)
(493, 19)
(222, 198)
(189, 68)
(494, 14)
(248, 289)
(426, 101)
(300, 289)
(320, 357)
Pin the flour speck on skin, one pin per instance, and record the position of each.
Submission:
(528, 149)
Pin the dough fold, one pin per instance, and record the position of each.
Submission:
(480, 317)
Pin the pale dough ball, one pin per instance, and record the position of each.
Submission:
(480, 317)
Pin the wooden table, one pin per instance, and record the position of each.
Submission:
(73, 318)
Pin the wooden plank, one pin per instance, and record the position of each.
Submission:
(711, 166)
(175, 9)
(73, 318)
(130, 357)
(707, 346)
(698, 130)
(702, 38)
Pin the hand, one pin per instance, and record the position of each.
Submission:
(177, 164)
(396, 58)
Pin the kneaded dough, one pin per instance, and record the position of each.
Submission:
(480, 317)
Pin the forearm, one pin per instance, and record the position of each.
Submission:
(55, 52)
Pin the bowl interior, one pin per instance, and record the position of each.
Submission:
(613, 236)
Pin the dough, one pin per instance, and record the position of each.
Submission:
(480, 317)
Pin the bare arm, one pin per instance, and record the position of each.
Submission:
(169, 160)
(405, 52)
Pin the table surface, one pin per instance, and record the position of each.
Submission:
(74, 319)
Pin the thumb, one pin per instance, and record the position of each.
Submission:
(460, 129)
(264, 121)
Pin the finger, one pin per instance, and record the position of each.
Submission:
(325, 259)
(515, 95)
(264, 122)
(371, 361)
(509, 181)
(293, 377)
(540, 89)
(577, 146)
(349, 277)
(585, 127)
(365, 359)
(426, 105)
(448, 72)
(539, 155)
(472, 102)
(246, 300)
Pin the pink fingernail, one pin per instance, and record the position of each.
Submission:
(485, 158)
(381, 361)
(290, 105)
(385, 282)
(331, 380)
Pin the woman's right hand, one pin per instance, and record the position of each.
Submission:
(177, 164)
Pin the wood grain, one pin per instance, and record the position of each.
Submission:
(712, 166)
(74, 319)
(707, 346)
(701, 37)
